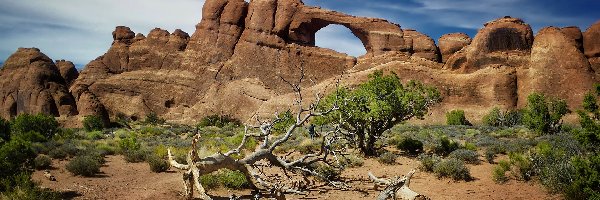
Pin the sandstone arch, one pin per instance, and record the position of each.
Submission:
(344, 41)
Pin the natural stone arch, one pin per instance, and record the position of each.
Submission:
(340, 39)
(377, 35)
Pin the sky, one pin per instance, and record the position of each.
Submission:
(80, 30)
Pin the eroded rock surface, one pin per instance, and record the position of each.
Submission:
(452, 43)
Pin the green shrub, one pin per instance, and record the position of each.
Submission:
(153, 118)
(387, 158)
(523, 167)
(4, 130)
(20, 186)
(42, 162)
(130, 143)
(157, 164)
(219, 121)
(470, 146)
(31, 136)
(428, 162)
(411, 146)
(499, 174)
(452, 168)
(15, 156)
(95, 135)
(93, 123)
(328, 172)
(490, 154)
(58, 153)
(445, 146)
(498, 118)
(226, 178)
(84, 165)
(589, 119)
(106, 149)
(209, 181)
(465, 155)
(544, 116)
(135, 156)
(352, 161)
(45, 125)
(457, 117)
(586, 180)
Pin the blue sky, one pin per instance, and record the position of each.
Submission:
(80, 30)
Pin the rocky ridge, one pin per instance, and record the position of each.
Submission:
(240, 54)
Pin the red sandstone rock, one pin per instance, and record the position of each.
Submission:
(451, 43)
(31, 83)
(422, 45)
(67, 71)
(591, 41)
(574, 33)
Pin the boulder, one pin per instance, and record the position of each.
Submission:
(591, 41)
(422, 45)
(67, 71)
(574, 33)
(557, 68)
(452, 43)
(31, 83)
(506, 41)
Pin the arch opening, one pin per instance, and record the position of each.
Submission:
(340, 39)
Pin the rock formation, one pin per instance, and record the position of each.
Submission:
(451, 43)
(241, 56)
(67, 71)
(31, 83)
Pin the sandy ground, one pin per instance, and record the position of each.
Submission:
(122, 180)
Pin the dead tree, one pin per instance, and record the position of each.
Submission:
(397, 188)
(197, 166)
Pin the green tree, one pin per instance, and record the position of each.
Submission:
(93, 123)
(544, 116)
(589, 118)
(376, 106)
(45, 125)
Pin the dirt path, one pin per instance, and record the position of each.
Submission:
(121, 180)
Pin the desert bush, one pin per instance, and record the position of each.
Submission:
(328, 172)
(153, 118)
(94, 135)
(589, 119)
(129, 143)
(411, 146)
(219, 121)
(470, 146)
(499, 173)
(428, 162)
(457, 117)
(31, 136)
(93, 123)
(522, 166)
(209, 181)
(15, 156)
(308, 146)
(552, 165)
(445, 146)
(151, 131)
(45, 125)
(84, 165)
(157, 164)
(498, 118)
(20, 186)
(465, 155)
(452, 168)
(544, 116)
(106, 149)
(490, 154)
(42, 161)
(352, 161)
(4, 130)
(387, 158)
(226, 178)
(135, 156)
(586, 180)
(58, 153)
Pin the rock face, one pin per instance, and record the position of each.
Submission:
(505, 41)
(67, 71)
(591, 46)
(31, 83)
(452, 43)
(422, 45)
(575, 34)
(242, 56)
(556, 67)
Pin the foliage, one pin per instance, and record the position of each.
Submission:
(544, 116)
(226, 178)
(411, 146)
(157, 164)
(498, 118)
(352, 161)
(15, 156)
(457, 117)
(376, 106)
(387, 158)
(589, 118)
(428, 162)
(586, 180)
(327, 172)
(219, 121)
(468, 156)
(130, 143)
(135, 156)
(452, 168)
(445, 146)
(286, 120)
(58, 153)
(153, 118)
(42, 162)
(20, 186)
(45, 125)
(499, 173)
(85, 165)
(522, 166)
(93, 123)
(4, 130)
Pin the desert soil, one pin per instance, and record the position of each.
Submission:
(122, 180)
